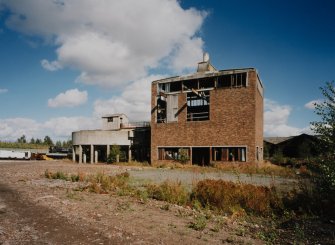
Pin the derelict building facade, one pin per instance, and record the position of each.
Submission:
(210, 116)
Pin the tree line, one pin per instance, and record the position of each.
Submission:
(32, 143)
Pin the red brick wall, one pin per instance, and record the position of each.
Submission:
(236, 119)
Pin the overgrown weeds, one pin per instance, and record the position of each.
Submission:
(232, 198)
(172, 192)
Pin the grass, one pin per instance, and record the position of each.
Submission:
(232, 198)
(172, 192)
(259, 205)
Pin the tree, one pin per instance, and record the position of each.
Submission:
(32, 141)
(22, 139)
(58, 143)
(325, 130)
(47, 141)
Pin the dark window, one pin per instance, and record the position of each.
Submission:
(198, 106)
(189, 84)
(229, 154)
(232, 80)
(175, 86)
(172, 153)
(206, 83)
(161, 110)
(110, 119)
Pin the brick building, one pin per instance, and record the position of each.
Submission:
(211, 116)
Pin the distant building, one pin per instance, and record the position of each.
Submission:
(94, 145)
(301, 146)
(211, 116)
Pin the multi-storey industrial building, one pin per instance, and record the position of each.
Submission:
(211, 116)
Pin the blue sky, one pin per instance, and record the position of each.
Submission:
(64, 63)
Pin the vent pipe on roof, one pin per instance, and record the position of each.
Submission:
(205, 65)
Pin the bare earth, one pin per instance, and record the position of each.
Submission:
(36, 210)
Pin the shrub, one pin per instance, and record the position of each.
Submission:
(229, 197)
(116, 152)
(102, 183)
(172, 192)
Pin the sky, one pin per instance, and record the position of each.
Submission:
(65, 63)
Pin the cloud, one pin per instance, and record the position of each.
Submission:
(135, 101)
(59, 128)
(13, 128)
(69, 98)
(276, 120)
(3, 90)
(311, 105)
(62, 127)
(112, 43)
(51, 66)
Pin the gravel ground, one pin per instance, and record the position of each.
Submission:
(36, 210)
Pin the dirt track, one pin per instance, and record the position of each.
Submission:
(36, 210)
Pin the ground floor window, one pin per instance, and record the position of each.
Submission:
(229, 154)
(173, 153)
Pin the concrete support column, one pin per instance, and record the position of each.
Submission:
(210, 154)
(129, 154)
(92, 154)
(191, 155)
(73, 154)
(108, 151)
(84, 158)
(96, 156)
(80, 154)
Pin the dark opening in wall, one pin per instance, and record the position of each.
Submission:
(198, 106)
(229, 154)
(201, 156)
(161, 110)
(232, 80)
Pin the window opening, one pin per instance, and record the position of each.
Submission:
(232, 80)
(110, 119)
(175, 86)
(206, 83)
(229, 154)
(190, 84)
(198, 106)
(161, 110)
(172, 153)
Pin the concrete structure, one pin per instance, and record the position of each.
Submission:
(94, 145)
(208, 117)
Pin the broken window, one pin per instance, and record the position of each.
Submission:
(232, 80)
(189, 84)
(206, 83)
(172, 153)
(175, 86)
(198, 106)
(161, 110)
(229, 154)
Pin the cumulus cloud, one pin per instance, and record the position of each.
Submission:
(276, 120)
(62, 127)
(311, 105)
(3, 90)
(51, 66)
(135, 101)
(59, 128)
(13, 128)
(112, 42)
(69, 98)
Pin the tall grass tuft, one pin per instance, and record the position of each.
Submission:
(172, 192)
(229, 197)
